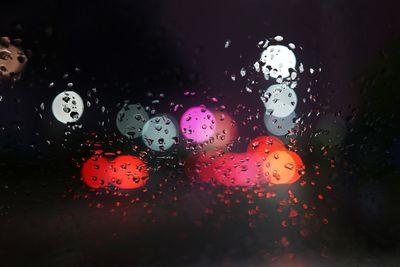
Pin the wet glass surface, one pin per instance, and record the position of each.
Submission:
(199, 133)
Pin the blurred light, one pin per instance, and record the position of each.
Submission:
(279, 100)
(131, 119)
(279, 61)
(283, 167)
(198, 124)
(128, 172)
(279, 126)
(300, 167)
(12, 61)
(67, 107)
(160, 133)
(95, 172)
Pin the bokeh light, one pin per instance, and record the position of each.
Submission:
(128, 172)
(279, 100)
(131, 119)
(95, 172)
(198, 124)
(12, 59)
(160, 133)
(279, 61)
(67, 107)
(283, 167)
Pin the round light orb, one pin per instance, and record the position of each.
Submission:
(279, 100)
(95, 172)
(300, 167)
(198, 124)
(67, 107)
(279, 126)
(128, 172)
(160, 133)
(283, 167)
(131, 119)
(12, 61)
(279, 61)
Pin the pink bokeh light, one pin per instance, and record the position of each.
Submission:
(197, 124)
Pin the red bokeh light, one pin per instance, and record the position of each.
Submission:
(266, 160)
(283, 167)
(125, 172)
(128, 172)
(95, 172)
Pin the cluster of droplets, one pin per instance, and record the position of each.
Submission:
(278, 77)
(266, 161)
(210, 135)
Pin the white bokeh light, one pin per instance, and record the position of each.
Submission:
(279, 61)
(160, 133)
(131, 119)
(279, 100)
(67, 107)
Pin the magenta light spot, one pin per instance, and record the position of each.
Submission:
(198, 124)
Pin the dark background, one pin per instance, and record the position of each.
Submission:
(128, 49)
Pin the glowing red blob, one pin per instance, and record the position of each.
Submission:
(238, 169)
(95, 172)
(128, 172)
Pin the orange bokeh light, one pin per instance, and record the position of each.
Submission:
(299, 167)
(283, 167)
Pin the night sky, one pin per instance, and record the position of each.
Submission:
(116, 52)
